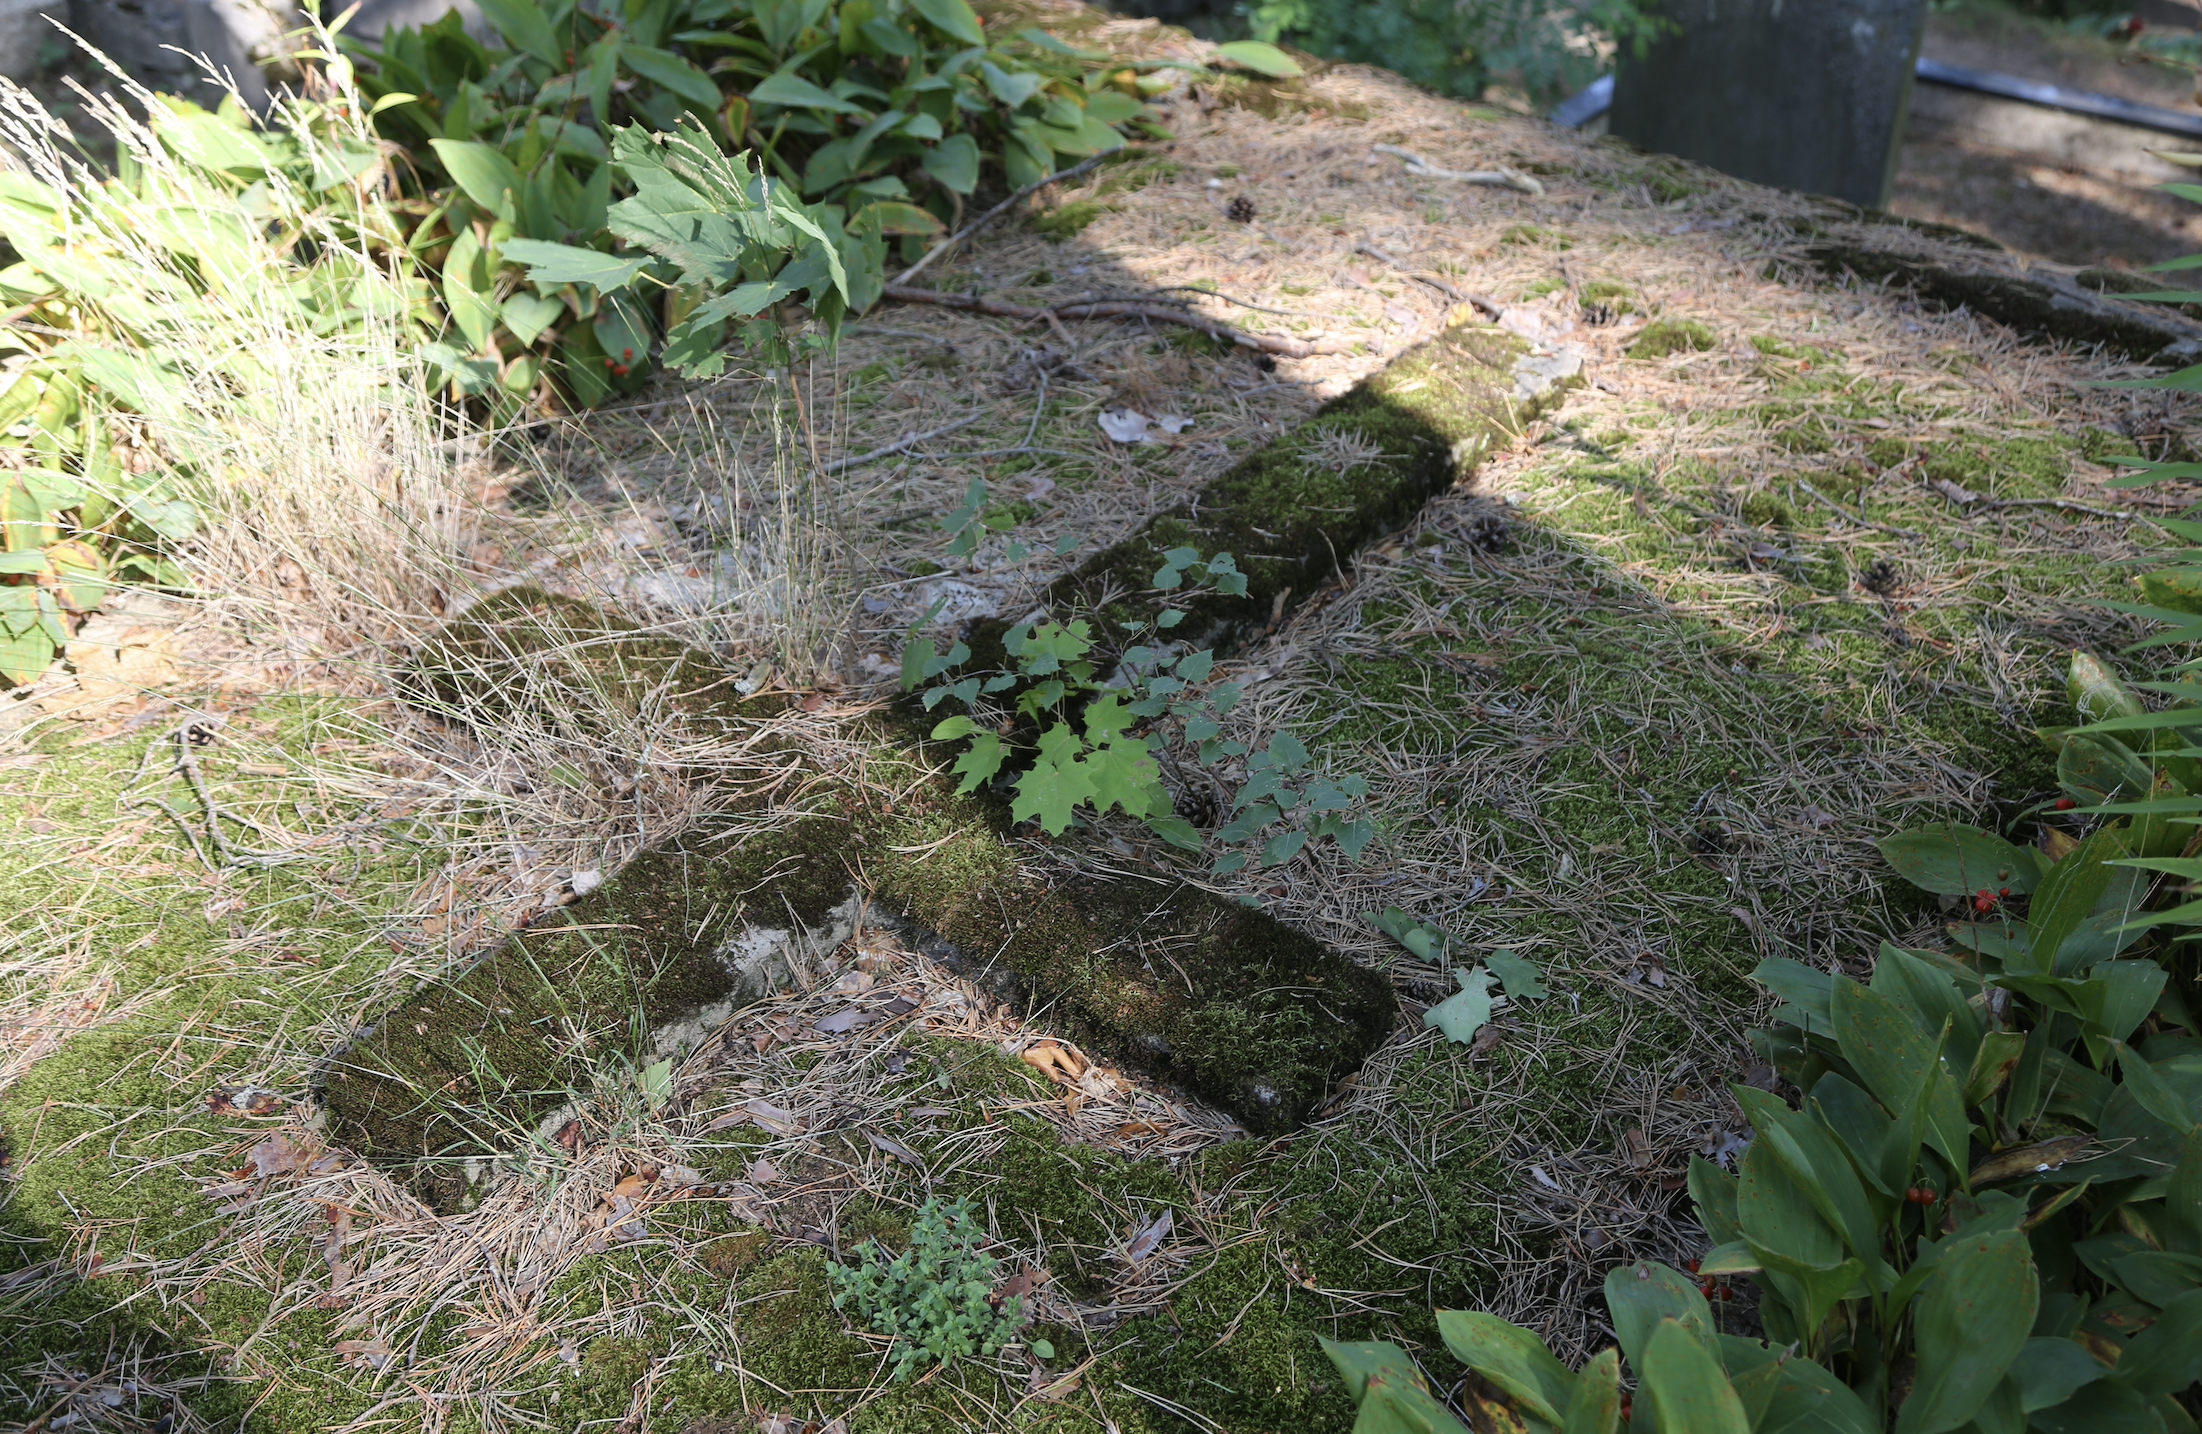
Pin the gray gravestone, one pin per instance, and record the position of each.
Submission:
(1804, 94)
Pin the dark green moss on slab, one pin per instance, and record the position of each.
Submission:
(1292, 514)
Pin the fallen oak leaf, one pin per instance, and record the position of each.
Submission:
(1015, 1287)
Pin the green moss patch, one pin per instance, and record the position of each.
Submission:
(1664, 337)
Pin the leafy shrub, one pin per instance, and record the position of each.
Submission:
(1087, 751)
(884, 113)
(1457, 47)
(931, 1298)
(1985, 1211)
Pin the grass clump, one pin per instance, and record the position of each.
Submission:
(1664, 337)
(933, 1298)
(1070, 220)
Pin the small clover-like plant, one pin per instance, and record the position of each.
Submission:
(932, 1298)
(1091, 754)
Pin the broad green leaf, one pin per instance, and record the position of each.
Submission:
(1859, 1124)
(2158, 1277)
(1055, 785)
(1124, 775)
(1517, 974)
(24, 655)
(524, 27)
(2070, 894)
(1815, 1161)
(2167, 1356)
(1971, 1321)
(2100, 769)
(526, 315)
(1687, 1387)
(1596, 1406)
(1809, 991)
(482, 173)
(1394, 1397)
(955, 163)
(1012, 89)
(1261, 59)
(665, 68)
(793, 91)
(1713, 1192)
(2182, 1221)
(1177, 831)
(894, 217)
(1803, 1398)
(1467, 1010)
(953, 18)
(1512, 1358)
(1953, 859)
(1883, 1043)
(978, 765)
(1641, 1296)
(2151, 1090)
(2048, 1371)
(1937, 997)
(1997, 1056)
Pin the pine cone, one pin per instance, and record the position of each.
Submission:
(1487, 533)
(1240, 211)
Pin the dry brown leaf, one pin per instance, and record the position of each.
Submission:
(1147, 1241)
(277, 1155)
(2029, 1159)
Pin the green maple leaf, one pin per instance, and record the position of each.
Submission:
(1106, 717)
(1125, 775)
(981, 762)
(1466, 1011)
(1057, 783)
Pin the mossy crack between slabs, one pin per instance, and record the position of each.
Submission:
(1221, 998)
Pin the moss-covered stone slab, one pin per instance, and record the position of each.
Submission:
(1294, 512)
(1166, 977)
(1221, 998)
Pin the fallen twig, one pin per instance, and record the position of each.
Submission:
(1859, 518)
(1484, 302)
(1242, 303)
(1116, 309)
(2068, 505)
(997, 211)
(906, 441)
(1502, 177)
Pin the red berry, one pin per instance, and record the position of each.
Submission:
(627, 354)
(1726, 1293)
(2065, 804)
(2005, 892)
(1696, 1265)
(1919, 1196)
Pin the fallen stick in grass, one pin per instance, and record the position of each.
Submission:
(1120, 309)
(1501, 177)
